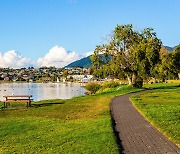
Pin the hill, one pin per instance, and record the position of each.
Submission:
(170, 49)
(83, 63)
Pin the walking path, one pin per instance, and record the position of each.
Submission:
(137, 135)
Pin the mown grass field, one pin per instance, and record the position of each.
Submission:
(78, 125)
(162, 108)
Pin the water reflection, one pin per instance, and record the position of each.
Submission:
(42, 91)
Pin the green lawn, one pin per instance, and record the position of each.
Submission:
(78, 125)
(162, 108)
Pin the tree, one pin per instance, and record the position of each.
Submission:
(176, 59)
(169, 66)
(98, 60)
(164, 70)
(132, 53)
(65, 74)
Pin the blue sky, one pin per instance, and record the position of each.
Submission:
(33, 27)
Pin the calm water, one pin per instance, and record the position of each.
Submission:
(42, 91)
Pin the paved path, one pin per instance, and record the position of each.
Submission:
(137, 135)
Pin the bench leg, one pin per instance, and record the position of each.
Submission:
(28, 104)
(4, 104)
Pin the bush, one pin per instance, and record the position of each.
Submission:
(110, 84)
(92, 87)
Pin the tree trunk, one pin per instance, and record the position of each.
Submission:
(129, 80)
(134, 77)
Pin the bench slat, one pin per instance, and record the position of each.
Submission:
(19, 96)
(19, 99)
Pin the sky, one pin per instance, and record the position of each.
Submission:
(58, 32)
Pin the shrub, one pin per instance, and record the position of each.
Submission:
(110, 84)
(92, 87)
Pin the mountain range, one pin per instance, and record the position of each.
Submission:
(83, 63)
(169, 48)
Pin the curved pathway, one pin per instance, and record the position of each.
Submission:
(137, 135)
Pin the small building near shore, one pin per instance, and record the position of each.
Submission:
(82, 78)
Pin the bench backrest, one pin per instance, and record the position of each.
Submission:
(18, 97)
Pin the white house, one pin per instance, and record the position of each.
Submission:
(82, 78)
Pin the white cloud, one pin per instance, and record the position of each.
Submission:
(58, 57)
(13, 59)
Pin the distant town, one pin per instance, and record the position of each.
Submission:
(45, 74)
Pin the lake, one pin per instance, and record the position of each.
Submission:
(42, 91)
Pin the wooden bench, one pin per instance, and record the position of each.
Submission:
(17, 99)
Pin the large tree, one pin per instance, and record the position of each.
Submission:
(176, 59)
(134, 53)
(169, 66)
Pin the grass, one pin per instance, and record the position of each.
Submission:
(78, 125)
(173, 81)
(162, 108)
(162, 86)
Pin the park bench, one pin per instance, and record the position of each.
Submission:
(17, 99)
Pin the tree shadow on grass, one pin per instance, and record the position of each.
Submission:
(33, 105)
(163, 87)
(45, 104)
